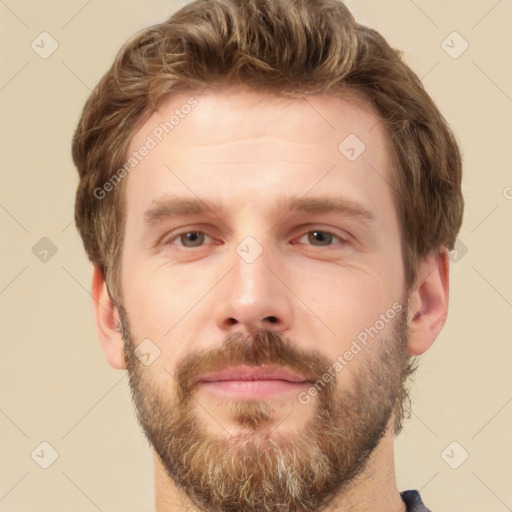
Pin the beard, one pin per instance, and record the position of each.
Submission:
(259, 468)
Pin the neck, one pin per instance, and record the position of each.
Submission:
(372, 491)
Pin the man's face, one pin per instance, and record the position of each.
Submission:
(232, 263)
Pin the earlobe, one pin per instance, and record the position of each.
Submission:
(107, 321)
(428, 303)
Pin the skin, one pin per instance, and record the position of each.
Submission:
(245, 151)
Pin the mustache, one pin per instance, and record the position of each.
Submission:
(267, 348)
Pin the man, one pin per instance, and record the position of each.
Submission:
(268, 196)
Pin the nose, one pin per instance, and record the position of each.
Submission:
(253, 297)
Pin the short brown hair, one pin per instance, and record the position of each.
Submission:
(294, 47)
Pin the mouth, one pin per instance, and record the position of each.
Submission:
(252, 381)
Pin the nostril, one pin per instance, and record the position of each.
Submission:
(271, 319)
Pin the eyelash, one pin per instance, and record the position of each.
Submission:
(176, 236)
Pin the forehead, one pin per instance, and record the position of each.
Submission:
(238, 111)
(233, 143)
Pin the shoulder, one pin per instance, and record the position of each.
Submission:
(412, 500)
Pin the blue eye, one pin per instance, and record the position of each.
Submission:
(320, 238)
(315, 237)
(189, 239)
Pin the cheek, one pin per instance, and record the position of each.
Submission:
(163, 302)
(155, 301)
(345, 301)
(157, 311)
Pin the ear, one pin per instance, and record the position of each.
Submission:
(428, 302)
(107, 320)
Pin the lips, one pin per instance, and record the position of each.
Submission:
(252, 373)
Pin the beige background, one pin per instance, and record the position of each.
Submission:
(55, 383)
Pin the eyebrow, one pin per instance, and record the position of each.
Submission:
(173, 206)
